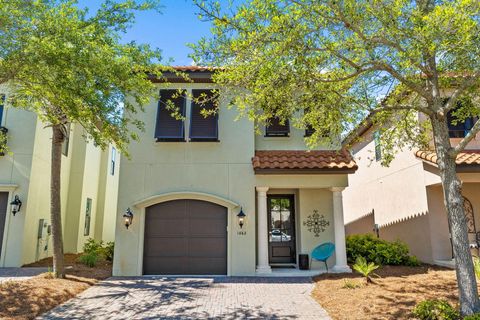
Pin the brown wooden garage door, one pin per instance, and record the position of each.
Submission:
(185, 237)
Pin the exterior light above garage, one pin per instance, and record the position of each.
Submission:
(16, 205)
(128, 215)
(241, 218)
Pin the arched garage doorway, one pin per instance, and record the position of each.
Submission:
(185, 237)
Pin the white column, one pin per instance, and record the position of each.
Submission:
(339, 226)
(262, 239)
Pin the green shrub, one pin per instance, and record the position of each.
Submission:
(379, 251)
(475, 316)
(99, 248)
(91, 245)
(89, 259)
(108, 250)
(365, 268)
(435, 310)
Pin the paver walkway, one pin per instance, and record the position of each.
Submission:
(194, 298)
(7, 274)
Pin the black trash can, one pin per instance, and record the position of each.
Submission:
(303, 262)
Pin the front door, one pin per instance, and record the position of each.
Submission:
(281, 229)
(3, 215)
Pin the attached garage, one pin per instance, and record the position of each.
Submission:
(185, 237)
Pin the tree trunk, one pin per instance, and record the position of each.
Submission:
(453, 199)
(55, 204)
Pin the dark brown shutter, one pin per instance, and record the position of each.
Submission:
(276, 129)
(309, 131)
(167, 127)
(203, 128)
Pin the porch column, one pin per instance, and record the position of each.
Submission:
(339, 226)
(262, 239)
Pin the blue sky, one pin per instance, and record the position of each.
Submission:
(169, 31)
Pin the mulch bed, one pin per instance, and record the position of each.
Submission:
(26, 299)
(392, 296)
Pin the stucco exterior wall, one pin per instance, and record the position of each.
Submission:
(25, 171)
(37, 205)
(362, 225)
(218, 168)
(15, 169)
(395, 193)
(321, 200)
(107, 196)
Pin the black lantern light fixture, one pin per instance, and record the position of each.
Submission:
(16, 205)
(128, 215)
(241, 218)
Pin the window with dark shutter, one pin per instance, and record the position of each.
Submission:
(203, 128)
(275, 128)
(168, 127)
(309, 131)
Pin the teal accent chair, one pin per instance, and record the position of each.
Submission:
(322, 253)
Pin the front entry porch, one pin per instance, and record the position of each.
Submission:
(293, 221)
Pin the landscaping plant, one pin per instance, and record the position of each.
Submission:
(475, 316)
(435, 310)
(365, 268)
(89, 259)
(99, 249)
(379, 251)
(328, 64)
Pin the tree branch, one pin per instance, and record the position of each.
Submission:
(458, 92)
(464, 142)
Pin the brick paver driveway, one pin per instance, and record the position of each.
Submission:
(194, 298)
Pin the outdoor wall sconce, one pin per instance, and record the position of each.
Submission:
(241, 218)
(128, 215)
(16, 204)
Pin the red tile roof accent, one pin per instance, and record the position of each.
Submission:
(315, 160)
(467, 157)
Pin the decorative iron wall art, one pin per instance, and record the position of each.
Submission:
(316, 223)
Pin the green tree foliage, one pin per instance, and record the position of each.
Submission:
(68, 66)
(325, 63)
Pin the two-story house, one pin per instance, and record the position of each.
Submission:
(209, 196)
(405, 200)
(88, 189)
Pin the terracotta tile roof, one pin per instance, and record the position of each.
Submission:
(309, 161)
(468, 157)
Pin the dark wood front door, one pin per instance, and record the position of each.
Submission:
(185, 237)
(3, 215)
(281, 229)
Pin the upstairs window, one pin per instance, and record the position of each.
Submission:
(203, 128)
(112, 164)
(378, 147)
(457, 129)
(276, 128)
(66, 142)
(309, 131)
(88, 217)
(168, 127)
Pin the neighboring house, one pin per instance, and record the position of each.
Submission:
(187, 181)
(405, 200)
(88, 190)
